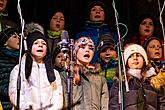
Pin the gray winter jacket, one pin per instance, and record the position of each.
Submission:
(91, 94)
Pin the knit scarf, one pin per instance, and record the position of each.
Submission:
(135, 72)
(54, 34)
(10, 52)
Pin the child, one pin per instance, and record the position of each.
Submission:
(57, 25)
(107, 57)
(145, 93)
(154, 49)
(9, 55)
(40, 84)
(60, 61)
(90, 89)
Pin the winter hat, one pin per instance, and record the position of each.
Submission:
(147, 41)
(32, 27)
(82, 41)
(6, 34)
(135, 48)
(56, 52)
(106, 40)
(47, 59)
(33, 37)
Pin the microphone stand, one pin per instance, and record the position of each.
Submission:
(68, 70)
(161, 22)
(120, 55)
(70, 77)
(20, 56)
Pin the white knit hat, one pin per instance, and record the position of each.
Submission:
(134, 48)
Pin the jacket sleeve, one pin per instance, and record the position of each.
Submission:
(114, 96)
(161, 99)
(13, 85)
(13, 89)
(104, 96)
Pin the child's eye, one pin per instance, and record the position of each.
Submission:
(143, 23)
(62, 19)
(91, 48)
(93, 9)
(35, 42)
(44, 43)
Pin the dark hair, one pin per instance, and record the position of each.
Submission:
(98, 3)
(141, 18)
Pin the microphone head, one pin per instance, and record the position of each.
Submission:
(64, 43)
(64, 35)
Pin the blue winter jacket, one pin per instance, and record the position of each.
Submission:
(94, 30)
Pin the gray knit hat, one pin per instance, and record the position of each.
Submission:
(106, 41)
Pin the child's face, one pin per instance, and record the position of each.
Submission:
(60, 60)
(39, 50)
(135, 61)
(154, 50)
(97, 14)
(146, 27)
(13, 42)
(3, 5)
(107, 54)
(85, 54)
(57, 22)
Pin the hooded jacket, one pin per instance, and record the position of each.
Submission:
(36, 92)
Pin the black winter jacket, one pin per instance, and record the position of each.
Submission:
(8, 59)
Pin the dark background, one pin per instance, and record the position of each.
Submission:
(75, 10)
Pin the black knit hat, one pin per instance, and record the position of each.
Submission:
(147, 41)
(47, 59)
(6, 34)
(56, 52)
(106, 40)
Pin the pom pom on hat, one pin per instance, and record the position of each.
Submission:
(135, 48)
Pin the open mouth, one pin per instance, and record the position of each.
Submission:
(107, 58)
(39, 50)
(147, 30)
(97, 16)
(1, 4)
(86, 56)
(157, 53)
(57, 25)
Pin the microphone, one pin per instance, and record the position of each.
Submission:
(64, 43)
